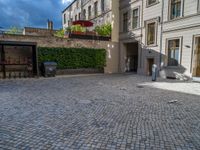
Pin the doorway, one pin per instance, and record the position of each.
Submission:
(132, 57)
(150, 62)
(196, 71)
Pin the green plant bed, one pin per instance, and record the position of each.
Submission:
(73, 58)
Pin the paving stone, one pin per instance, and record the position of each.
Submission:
(99, 112)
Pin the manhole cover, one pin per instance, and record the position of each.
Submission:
(140, 87)
(85, 101)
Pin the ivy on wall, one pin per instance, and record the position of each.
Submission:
(73, 58)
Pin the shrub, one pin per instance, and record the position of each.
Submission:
(60, 33)
(73, 58)
(104, 30)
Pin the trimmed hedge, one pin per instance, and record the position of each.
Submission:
(73, 58)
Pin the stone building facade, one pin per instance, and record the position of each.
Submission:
(97, 11)
(164, 32)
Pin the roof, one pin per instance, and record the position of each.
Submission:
(69, 6)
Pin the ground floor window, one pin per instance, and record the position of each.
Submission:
(173, 52)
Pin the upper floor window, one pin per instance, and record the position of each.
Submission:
(77, 4)
(199, 5)
(151, 33)
(84, 14)
(151, 2)
(89, 12)
(64, 17)
(102, 5)
(175, 9)
(96, 9)
(79, 16)
(135, 21)
(125, 22)
(173, 52)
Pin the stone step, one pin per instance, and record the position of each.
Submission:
(196, 79)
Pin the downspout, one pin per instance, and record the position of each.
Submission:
(141, 33)
(161, 34)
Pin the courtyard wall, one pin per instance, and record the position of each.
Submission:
(112, 58)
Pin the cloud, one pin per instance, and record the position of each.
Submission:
(34, 13)
(66, 1)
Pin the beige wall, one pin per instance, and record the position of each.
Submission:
(186, 27)
(112, 58)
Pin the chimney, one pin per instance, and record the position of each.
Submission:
(49, 25)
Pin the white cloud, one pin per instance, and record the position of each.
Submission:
(66, 1)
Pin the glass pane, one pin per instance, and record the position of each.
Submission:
(135, 18)
(151, 2)
(151, 33)
(173, 52)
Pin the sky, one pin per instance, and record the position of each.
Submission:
(31, 13)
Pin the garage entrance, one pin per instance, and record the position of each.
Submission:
(18, 59)
(132, 57)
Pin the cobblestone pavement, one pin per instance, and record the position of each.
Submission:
(97, 112)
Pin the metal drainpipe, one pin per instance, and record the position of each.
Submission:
(161, 33)
(141, 33)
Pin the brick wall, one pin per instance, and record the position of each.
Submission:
(43, 41)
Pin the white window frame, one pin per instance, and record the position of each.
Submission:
(198, 6)
(155, 34)
(180, 50)
(149, 5)
(181, 13)
(138, 21)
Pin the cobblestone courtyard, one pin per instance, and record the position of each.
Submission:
(99, 112)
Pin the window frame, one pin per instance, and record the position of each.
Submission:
(180, 51)
(89, 12)
(198, 6)
(96, 9)
(102, 6)
(149, 5)
(123, 22)
(64, 17)
(170, 9)
(155, 34)
(138, 19)
(84, 14)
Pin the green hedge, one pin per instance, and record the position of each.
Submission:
(73, 58)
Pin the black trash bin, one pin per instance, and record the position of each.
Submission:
(48, 69)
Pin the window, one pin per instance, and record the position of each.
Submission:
(75, 17)
(102, 6)
(64, 17)
(199, 5)
(79, 16)
(151, 2)
(151, 33)
(125, 22)
(84, 14)
(135, 22)
(175, 10)
(96, 9)
(173, 52)
(77, 4)
(89, 12)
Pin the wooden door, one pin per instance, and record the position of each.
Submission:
(198, 57)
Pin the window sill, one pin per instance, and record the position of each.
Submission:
(178, 18)
(172, 67)
(152, 45)
(135, 29)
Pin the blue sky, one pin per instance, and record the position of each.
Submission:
(31, 13)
